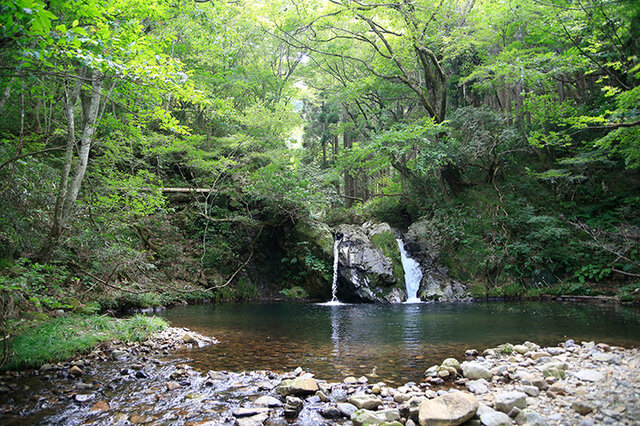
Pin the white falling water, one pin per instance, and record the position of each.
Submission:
(412, 274)
(334, 284)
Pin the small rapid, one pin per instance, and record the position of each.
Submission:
(412, 274)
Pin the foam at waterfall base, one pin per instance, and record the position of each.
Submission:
(413, 300)
(332, 303)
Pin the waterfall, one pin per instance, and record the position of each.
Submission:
(334, 284)
(412, 274)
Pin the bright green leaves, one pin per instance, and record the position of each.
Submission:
(134, 196)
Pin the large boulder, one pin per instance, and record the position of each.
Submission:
(437, 287)
(370, 269)
(453, 408)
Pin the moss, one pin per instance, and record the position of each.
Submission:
(477, 291)
(387, 244)
(59, 339)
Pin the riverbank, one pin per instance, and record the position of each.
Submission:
(60, 338)
(139, 383)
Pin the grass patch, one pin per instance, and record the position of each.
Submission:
(59, 339)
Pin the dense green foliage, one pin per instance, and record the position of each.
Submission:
(170, 150)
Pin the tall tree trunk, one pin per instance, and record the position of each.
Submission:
(70, 184)
(347, 143)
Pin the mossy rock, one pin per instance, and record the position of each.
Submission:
(317, 233)
(386, 242)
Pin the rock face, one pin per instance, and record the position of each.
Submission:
(449, 409)
(370, 270)
(422, 241)
(371, 265)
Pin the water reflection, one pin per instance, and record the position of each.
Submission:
(400, 341)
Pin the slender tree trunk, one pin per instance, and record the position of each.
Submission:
(7, 93)
(348, 179)
(21, 141)
(70, 184)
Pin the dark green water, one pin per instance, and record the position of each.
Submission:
(400, 341)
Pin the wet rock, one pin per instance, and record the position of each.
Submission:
(256, 420)
(189, 338)
(267, 401)
(293, 406)
(139, 419)
(368, 402)
(76, 371)
(364, 417)
(474, 370)
(84, 386)
(171, 386)
(101, 406)
(248, 412)
(451, 409)
(530, 417)
(471, 353)
(330, 412)
(83, 397)
(216, 375)
(298, 387)
(589, 375)
(346, 408)
(495, 418)
(118, 354)
(506, 401)
(322, 396)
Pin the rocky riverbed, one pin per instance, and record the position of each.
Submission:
(572, 383)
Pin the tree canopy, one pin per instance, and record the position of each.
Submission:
(137, 133)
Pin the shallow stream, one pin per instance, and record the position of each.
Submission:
(390, 343)
(400, 341)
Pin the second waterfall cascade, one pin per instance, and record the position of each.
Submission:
(412, 274)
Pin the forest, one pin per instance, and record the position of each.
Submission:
(172, 151)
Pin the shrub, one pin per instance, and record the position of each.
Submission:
(295, 292)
